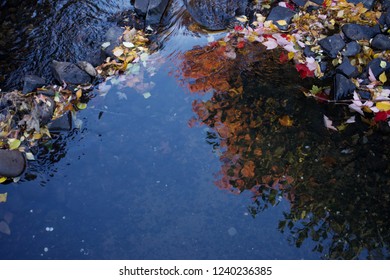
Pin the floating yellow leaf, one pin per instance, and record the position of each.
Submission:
(286, 121)
(81, 106)
(282, 22)
(383, 105)
(79, 93)
(3, 197)
(13, 143)
(383, 78)
(3, 179)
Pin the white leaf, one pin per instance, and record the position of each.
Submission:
(30, 156)
(351, 120)
(106, 45)
(270, 44)
(147, 95)
(328, 123)
(371, 75)
(128, 45)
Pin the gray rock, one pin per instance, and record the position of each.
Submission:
(381, 42)
(281, 13)
(308, 52)
(376, 68)
(69, 73)
(31, 83)
(141, 7)
(12, 163)
(369, 4)
(155, 12)
(318, 2)
(351, 49)
(355, 31)
(112, 35)
(343, 87)
(63, 123)
(332, 45)
(215, 14)
(347, 69)
(45, 111)
(300, 3)
(87, 67)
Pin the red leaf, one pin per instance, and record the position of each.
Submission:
(381, 116)
(290, 6)
(241, 44)
(238, 28)
(283, 57)
(304, 71)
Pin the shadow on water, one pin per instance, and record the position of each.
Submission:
(143, 177)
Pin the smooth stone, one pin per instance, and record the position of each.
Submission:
(354, 31)
(155, 11)
(332, 45)
(300, 3)
(351, 49)
(381, 42)
(342, 87)
(347, 69)
(31, 83)
(69, 73)
(12, 163)
(308, 52)
(141, 7)
(112, 35)
(375, 66)
(281, 13)
(369, 4)
(318, 2)
(87, 67)
(63, 123)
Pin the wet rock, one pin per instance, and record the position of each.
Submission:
(112, 36)
(63, 123)
(308, 52)
(300, 3)
(281, 13)
(332, 45)
(31, 83)
(12, 163)
(215, 14)
(369, 4)
(318, 2)
(141, 7)
(386, 4)
(381, 42)
(343, 87)
(376, 67)
(69, 73)
(351, 49)
(347, 69)
(355, 31)
(155, 12)
(87, 67)
(44, 110)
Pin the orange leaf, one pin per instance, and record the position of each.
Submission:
(248, 170)
(286, 121)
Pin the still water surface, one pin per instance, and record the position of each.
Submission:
(136, 181)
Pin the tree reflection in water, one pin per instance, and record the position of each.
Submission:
(337, 184)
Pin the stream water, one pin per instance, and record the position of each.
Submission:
(146, 176)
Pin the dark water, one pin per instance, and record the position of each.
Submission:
(135, 181)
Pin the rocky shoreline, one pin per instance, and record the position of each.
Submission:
(345, 42)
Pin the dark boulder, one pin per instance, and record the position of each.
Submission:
(343, 87)
(355, 31)
(12, 163)
(112, 37)
(332, 45)
(347, 69)
(300, 3)
(308, 52)
(281, 13)
(318, 2)
(376, 67)
(69, 73)
(31, 83)
(381, 42)
(151, 10)
(215, 14)
(351, 49)
(63, 123)
(369, 4)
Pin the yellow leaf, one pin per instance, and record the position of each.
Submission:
(282, 22)
(3, 197)
(286, 121)
(81, 106)
(383, 78)
(13, 143)
(3, 179)
(290, 55)
(383, 105)
(79, 93)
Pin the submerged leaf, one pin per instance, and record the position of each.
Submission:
(286, 121)
(81, 106)
(4, 228)
(3, 197)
